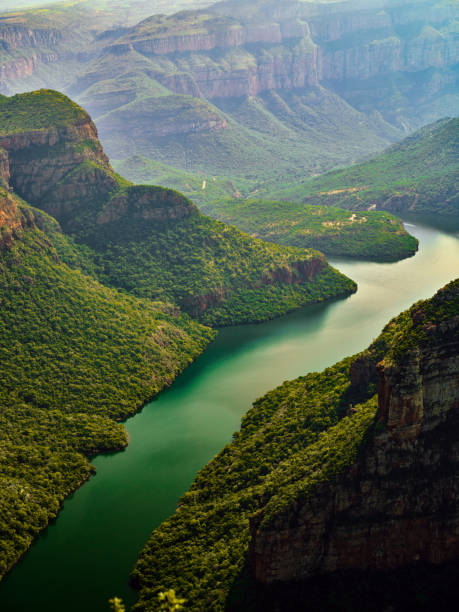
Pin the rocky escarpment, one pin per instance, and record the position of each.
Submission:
(298, 45)
(398, 504)
(148, 240)
(54, 162)
(24, 49)
(39, 158)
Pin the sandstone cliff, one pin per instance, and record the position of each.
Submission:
(295, 45)
(398, 504)
(12, 221)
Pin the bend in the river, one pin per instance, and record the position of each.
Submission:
(87, 555)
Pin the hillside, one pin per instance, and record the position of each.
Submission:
(149, 240)
(418, 175)
(277, 92)
(332, 471)
(75, 358)
(334, 231)
(274, 91)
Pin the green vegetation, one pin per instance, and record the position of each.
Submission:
(211, 270)
(74, 357)
(418, 175)
(201, 188)
(304, 433)
(38, 110)
(262, 140)
(152, 241)
(334, 231)
(296, 436)
(411, 328)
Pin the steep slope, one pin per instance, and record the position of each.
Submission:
(354, 467)
(75, 357)
(418, 175)
(334, 231)
(149, 240)
(47, 46)
(264, 89)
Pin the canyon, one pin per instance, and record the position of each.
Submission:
(273, 89)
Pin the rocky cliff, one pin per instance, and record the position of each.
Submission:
(353, 468)
(296, 45)
(51, 154)
(250, 89)
(12, 221)
(398, 504)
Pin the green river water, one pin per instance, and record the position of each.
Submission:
(86, 556)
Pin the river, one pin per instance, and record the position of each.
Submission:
(86, 556)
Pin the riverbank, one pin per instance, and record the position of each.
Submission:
(86, 556)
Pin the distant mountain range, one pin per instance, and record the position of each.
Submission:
(275, 90)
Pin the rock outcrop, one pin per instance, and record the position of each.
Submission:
(11, 219)
(294, 46)
(398, 504)
(145, 239)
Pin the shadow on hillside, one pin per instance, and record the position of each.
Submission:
(424, 587)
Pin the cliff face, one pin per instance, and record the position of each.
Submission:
(56, 168)
(297, 46)
(25, 49)
(399, 503)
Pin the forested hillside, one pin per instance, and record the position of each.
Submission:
(418, 175)
(149, 240)
(75, 358)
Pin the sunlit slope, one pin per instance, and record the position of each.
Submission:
(418, 175)
(150, 240)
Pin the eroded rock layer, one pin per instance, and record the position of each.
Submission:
(399, 503)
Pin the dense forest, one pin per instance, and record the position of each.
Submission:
(75, 357)
(371, 235)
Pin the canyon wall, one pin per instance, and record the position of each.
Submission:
(399, 503)
(297, 46)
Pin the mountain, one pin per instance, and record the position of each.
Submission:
(274, 91)
(75, 357)
(148, 240)
(47, 45)
(334, 231)
(418, 175)
(353, 468)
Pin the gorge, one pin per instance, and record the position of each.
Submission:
(129, 354)
(162, 458)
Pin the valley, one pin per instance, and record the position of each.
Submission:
(278, 93)
(105, 523)
(202, 206)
